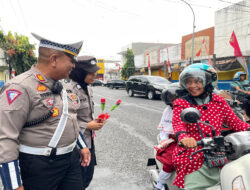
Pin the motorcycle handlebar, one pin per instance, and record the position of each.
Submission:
(199, 143)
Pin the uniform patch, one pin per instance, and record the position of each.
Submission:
(55, 112)
(50, 101)
(73, 96)
(12, 95)
(41, 88)
(78, 86)
(40, 77)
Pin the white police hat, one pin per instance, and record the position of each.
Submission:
(72, 49)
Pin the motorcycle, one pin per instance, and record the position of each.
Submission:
(235, 174)
(154, 173)
(231, 98)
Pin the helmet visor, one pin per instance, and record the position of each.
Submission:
(192, 75)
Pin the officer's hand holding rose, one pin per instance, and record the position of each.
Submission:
(95, 124)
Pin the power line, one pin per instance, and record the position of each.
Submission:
(17, 17)
(192, 3)
(237, 4)
(195, 5)
(21, 10)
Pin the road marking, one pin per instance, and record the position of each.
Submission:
(131, 131)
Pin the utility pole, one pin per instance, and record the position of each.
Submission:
(214, 60)
(165, 69)
(8, 62)
(192, 58)
(149, 69)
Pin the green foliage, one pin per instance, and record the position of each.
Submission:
(128, 68)
(19, 50)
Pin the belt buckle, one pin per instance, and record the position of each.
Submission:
(48, 151)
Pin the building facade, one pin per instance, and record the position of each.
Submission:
(211, 45)
(232, 18)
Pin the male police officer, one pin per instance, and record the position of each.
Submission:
(241, 85)
(38, 125)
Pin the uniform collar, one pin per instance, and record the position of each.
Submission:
(41, 78)
(75, 85)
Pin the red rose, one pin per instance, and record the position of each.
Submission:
(101, 116)
(104, 116)
(118, 102)
(107, 116)
(103, 100)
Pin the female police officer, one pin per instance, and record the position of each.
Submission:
(83, 75)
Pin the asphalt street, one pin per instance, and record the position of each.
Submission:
(125, 143)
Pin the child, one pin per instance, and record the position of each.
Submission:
(167, 141)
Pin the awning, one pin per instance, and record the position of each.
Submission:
(227, 64)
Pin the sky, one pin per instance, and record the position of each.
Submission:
(106, 26)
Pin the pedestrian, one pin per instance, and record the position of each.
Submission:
(82, 76)
(203, 170)
(38, 125)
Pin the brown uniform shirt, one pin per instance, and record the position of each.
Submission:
(26, 98)
(86, 110)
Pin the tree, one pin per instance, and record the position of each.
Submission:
(128, 68)
(19, 51)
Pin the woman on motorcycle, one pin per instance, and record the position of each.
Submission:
(195, 174)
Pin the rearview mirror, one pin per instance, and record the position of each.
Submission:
(190, 115)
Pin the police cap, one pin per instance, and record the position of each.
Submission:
(87, 63)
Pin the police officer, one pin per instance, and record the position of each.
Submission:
(241, 85)
(38, 125)
(82, 76)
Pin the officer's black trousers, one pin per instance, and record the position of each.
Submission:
(88, 172)
(45, 173)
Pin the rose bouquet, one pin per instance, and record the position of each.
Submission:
(105, 116)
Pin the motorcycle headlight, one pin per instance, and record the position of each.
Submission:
(238, 183)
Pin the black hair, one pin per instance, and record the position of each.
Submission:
(78, 75)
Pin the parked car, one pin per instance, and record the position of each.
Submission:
(150, 86)
(98, 83)
(118, 83)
